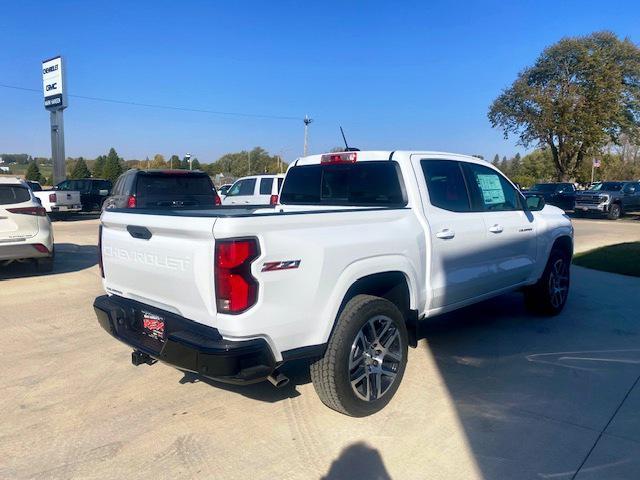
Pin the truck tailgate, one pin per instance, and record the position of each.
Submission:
(65, 198)
(156, 260)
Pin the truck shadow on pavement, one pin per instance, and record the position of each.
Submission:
(69, 258)
(534, 394)
(297, 371)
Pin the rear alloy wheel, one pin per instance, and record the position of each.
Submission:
(615, 212)
(365, 359)
(549, 295)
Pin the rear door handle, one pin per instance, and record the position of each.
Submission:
(446, 234)
(496, 228)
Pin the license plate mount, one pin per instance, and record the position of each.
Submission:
(153, 326)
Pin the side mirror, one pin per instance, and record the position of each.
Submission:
(535, 203)
(103, 193)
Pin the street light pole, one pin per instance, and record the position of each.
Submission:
(188, 157)
(306, 121)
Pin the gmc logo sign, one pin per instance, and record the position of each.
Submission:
(52, 86)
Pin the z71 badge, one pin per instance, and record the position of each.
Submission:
(286, 265)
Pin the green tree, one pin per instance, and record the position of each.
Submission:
(581, 94)
(184, 164)
(98, 166)
(80, 169)
(174, 162)
(195, 164)
(112, 167)
(158, 161)
(496, 160)
(33, 172)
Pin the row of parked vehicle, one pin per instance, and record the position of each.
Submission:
(610, 199)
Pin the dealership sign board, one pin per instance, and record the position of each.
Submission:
(53, 84)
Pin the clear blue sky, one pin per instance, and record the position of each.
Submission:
(395, 75)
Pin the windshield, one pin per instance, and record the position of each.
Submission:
(607, 187)
(543, 187)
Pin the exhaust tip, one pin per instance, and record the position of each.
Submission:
(278, 379)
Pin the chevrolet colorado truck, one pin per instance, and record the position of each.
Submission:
(361, 247)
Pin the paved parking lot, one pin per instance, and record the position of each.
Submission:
(491, 392)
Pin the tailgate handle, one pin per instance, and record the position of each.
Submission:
(139, 232)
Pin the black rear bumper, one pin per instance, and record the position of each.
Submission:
(187, 345)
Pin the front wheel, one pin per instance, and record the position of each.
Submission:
(365, 359)
(549, 295)
(615, 212)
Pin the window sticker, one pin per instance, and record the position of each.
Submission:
(491, 188)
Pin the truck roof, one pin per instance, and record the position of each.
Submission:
(377, 155)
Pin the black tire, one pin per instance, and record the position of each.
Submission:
(549, 295)
(45, 265)
(332, 375)
(615, 211)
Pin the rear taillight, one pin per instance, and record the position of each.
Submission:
(41, 248)
(100, 251)
(273, 200)
(53, 198)
(236, 289)
(217, 200)
(342, 157)
(131, 201)
(37, 211)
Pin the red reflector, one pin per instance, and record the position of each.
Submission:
(131, 201)
(342, 157)
(100, 264)
(217, 200)
(273, 200)
(37, 211)
(236, 289)
(41, 248)
(52, 198)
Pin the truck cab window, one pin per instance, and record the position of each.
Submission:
(490, 191)
(446, 186)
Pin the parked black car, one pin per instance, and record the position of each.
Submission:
(93, 191)
(562, 195)
(163, 189)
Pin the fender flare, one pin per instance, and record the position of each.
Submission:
(363, 268)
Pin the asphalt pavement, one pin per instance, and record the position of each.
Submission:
(491, 392)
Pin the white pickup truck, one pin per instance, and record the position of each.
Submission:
(362, 246)
(56, 201)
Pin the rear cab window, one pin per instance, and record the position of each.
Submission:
(160, 189)
(365, 183)
(10, 194)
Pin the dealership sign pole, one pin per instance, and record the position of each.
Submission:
(55, 100)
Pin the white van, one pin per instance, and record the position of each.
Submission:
(255, 190)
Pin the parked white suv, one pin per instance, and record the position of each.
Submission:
(361, 247)
(254, 190)
(25, 229)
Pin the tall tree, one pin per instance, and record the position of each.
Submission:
(496, 160)
(98, 166)
(581, 94)
(158, 161)
(33, 172)
(112, 167)
(80, 169)
(195, 164)
(174, 162)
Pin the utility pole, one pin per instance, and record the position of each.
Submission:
(188, 157)
(306, 121)
(249, 159)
